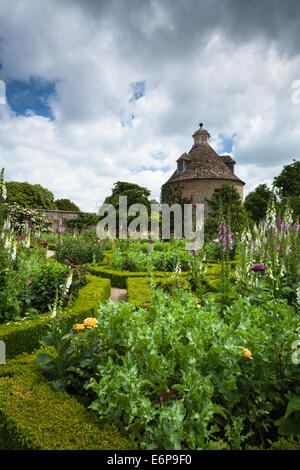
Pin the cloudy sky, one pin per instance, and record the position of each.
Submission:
(104, 90)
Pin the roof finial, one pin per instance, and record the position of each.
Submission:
(201, 125)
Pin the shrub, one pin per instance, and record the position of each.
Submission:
(171, 285)
(83, 220)
(45, 277)
(20, 218)
(137, 259)
(80, 251)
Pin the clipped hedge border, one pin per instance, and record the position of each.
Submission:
(138, 291)
(33, 416)
(119, 278)
(23, 336)
(51, 246)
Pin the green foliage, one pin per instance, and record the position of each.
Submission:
(35, 417)
(66, 205)
(289, 424)
(30, 195)
(137, 258)
(29, 282)
(139, 290)
(9, 305)
(23, 336)
(80, 251)
(227, 200)
(179, 368)
(135, 194)
(256, 202)
(21, 218)
(82, 221)
(288, 185)
(119, 278)
(172, 285)
(46, 277)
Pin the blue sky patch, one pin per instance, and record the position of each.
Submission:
(151, 168)
(227, 142)
(138, 89)
(31, 95)
(159, 156)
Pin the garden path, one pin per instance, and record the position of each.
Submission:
(50, 253)
(117, 295)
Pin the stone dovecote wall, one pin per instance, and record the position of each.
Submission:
(205, 188)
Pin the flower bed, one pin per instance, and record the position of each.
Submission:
(23, 336)
(179, 375)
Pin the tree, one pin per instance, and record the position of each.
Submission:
(225, 203)
(287, 184)
(135, 194)
(66, 205)
(256, 202)
(29, 195)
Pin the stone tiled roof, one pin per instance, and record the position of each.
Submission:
(205, 163)
(227, 159)
(184, 156)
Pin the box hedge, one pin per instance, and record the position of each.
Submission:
(138, 291)
(33, 416)
(23, 336)
(119, 278)
(51, 246)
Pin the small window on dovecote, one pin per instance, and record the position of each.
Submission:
(180, 166)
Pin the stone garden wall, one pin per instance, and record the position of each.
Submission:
(55, 216)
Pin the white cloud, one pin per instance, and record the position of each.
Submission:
(193, 71)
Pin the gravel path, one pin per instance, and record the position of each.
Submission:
(50, 253)
(117, 295)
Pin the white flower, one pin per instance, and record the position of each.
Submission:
(298, 295)
(53, 314)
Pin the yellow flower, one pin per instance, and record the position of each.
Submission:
(90, 322)
(79, 327)
(92, 379)
(198, 306)
(247, 353)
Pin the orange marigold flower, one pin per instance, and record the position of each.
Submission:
(79, 326)
(90, 322)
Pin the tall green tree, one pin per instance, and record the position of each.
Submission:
(30, 195)
(66, 205)
(287, 185)
(225, 202)
(256, 202)
(135, 195)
